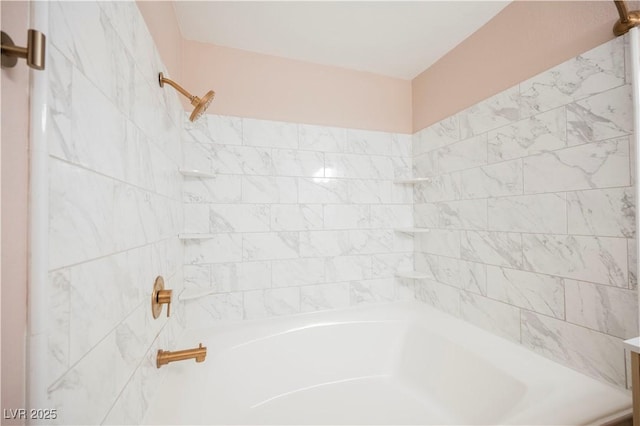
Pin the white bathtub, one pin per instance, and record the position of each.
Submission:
(400, 363)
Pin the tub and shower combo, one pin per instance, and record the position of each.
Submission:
(389, 363)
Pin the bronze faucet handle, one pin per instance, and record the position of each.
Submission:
(160, 297)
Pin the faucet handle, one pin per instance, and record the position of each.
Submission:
(160, 297)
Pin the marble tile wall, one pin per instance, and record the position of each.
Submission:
(532, 214)
(297, 218)
(115, 211)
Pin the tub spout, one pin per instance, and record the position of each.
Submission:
(165, 357)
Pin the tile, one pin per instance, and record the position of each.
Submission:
(427, 264)
(269, 133)
(496, 317)
(296, 217)
(589, 166)
(473, 277)
(495, 180)
(539, 133)
(369, 142)
(371, 291)
(603, 116)
(324, 244)
(610, 310)
(606, 212)
(272, 302)
(439, 241)
(468, 214)
(231, 159)
(544, 213)
(402, 145)
(442, 188)
(594, 71)
(239, 218)
(196, 219)
(491, 113)
(426, 215)
(216, 129)
(222, 189)
(495, 248)
(59, 333)
(219, 248)
(348, 268)
(391, 216)
(358, 166)
(596, 259)
(463, 155)
(288, 162)
(233, 277)
(371, 241)
(426, 164)
(587, 351)
(298, 272)
(321, 138)
(197, 276)
(370, 191)
(632, 253)
(346, 216)
(269, 189)
(322, 191)
(543, 294)
(209, 310)
(440, 134)
(270, 245)
(442, 297)
(324, 296)
(386, 265)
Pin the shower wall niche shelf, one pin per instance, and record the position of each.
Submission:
(413, 230)
(196, 173)
(412, 275)
(195, 236)
(412, 180)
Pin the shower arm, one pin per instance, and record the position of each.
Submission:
(627, 19)
(162, 79)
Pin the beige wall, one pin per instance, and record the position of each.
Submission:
(261, 86)
(526, 38)
(14, 175)
(267, 87)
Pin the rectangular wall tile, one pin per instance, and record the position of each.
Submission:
(496, 248)
(270, 245)
(439, 241)
(269, 133)
(544, 213)
(348, 268)
(239, 218)
(321, 138)
(298, 272)
(543, 294)
(296, 217)
(440, 296)
(495, 180)
(596, 259)
(540, 133)
(499, 318)
(462, 155)
(372, 291)
(467, 214)
(346, 216)
(218, 249)
(494, 112)
(594, 165)
(606, 309)
(590, 352)
(271, 302)
(607, 212)
(437, 135)
(269, 189)
(324, 296)
(287, 162)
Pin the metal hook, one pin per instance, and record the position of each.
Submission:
(34, 53)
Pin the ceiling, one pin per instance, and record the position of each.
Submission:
(393, 38)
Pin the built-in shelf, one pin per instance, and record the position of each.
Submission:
(196, 173)
(195, 236)
(195, 293)
(413, 230)
(412, 181)
(413, 275)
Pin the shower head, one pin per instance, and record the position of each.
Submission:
(200, 104)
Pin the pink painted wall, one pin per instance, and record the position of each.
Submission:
(267, 87)
(14, 187)
(526, 38)
(253, 85)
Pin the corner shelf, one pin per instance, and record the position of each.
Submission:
(195, 236)
(413, 230)
(413, 275)
(412, 181)
(196, 173)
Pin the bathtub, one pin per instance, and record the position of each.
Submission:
(400, 363)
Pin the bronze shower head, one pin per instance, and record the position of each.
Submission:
(200, 104)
